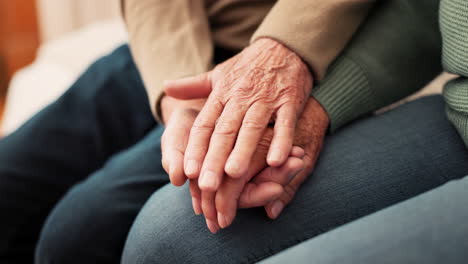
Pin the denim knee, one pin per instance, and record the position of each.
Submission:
(165, 230)
(168, 231)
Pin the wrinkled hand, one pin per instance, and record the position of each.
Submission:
(179, 117)
(266, 81)
(310, 132)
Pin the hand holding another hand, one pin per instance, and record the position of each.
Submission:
(179, 117)
(265, 82)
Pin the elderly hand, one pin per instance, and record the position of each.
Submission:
(310, 132)
(270, 187)
(179, 117)
(265, 82)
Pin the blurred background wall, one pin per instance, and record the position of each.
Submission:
(58, 17)
(19, 38)
(24, 24)
(45, 45)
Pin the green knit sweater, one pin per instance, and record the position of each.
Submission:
(454, 28)
(396, 52)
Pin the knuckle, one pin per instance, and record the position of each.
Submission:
(253, 124)
(195, 150)
(203, 122)
(288, 123)
(289, 192)
(202, 126)
(226, 128)
(177, 150)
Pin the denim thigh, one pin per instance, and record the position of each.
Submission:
(102, 113)
(91, 222)
(369, 165)
(429, 228)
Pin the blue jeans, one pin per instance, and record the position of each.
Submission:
(365, 167)
(430, 228)
(74, 178)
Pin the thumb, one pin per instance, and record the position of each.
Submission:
(194, 87)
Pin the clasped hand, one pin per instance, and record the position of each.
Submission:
(222, 142)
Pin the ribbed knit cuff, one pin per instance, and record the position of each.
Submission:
(344, 93)
(456, 96)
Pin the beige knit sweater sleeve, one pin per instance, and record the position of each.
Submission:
(169, 39)
(317, 30)
(172, 38)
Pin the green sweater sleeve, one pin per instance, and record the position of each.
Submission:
(395, 52)
(454, 28)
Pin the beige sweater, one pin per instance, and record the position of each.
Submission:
(170, 39)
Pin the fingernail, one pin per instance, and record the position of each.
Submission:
(277, 208)
(208, 179)
(275, 155)
(192, 167)
(223, 220)
(196, 206)
(212, 226)
(233, 166)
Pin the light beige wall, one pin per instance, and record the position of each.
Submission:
(57, 17)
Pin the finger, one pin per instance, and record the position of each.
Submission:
(190, 87)
(221, 144)
(255, 195)
(174, 142)
(226, 200)
(199, 138)
(281, 175)
(209, 211)
(228, 194)
(253, 126)
(283, 136)
(274, 208)
(264, 187)
(297, 152)
(196, 197)
(220, 147)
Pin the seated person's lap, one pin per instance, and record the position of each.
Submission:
(104, 112)
(371, 164)
(367, 166)
(429, 228)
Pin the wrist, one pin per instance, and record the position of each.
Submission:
(266, 42)
(283, 60)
